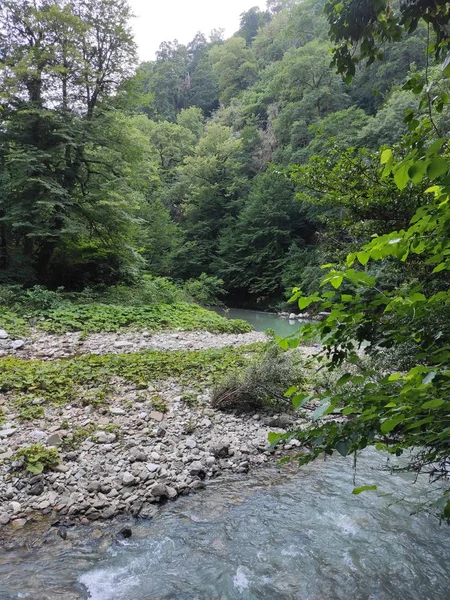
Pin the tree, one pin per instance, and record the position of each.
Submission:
(61, 62)
(253, 251)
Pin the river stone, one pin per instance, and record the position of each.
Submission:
(128, 479)
(221, 450)
(4, 519)
(53, 440)
(152, 467)
(117, 411)
(3, 334)
(159, 490)
(4, 433)
(156, 415)
(18, 523)
(16, 344)
(15, 507)
(36, 489)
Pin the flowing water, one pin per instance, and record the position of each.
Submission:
(262, 320)
(273, 535)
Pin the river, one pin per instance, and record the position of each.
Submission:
(273, 535)
(262, 321)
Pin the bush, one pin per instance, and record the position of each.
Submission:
(262, 385)
(150, 290)
(36, 458)
(205, 290)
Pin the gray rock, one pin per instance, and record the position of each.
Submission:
(137, 455)
(117, 411)
(159, 490)
(36, 489)
(53, 440)
(4, 518)
(191, 443)
(221, 450)
(152, 467)
(156, 415)
(128, 479)
(4, 433)
(196, 468)
(18, 523)
(3, 334)
(15, 507)
(16, 344)
(93, 486)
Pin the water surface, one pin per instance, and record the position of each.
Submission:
(262, 321)
(269, 536)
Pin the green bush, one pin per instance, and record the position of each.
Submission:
(262, 385)
(36, 458)
(205, 290)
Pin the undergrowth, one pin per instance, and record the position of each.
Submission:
(262, 385)
(98, 317)
(66, 381)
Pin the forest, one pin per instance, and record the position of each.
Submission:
(305, 159)
(248, 160)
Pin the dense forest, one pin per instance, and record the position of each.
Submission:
(248, 160)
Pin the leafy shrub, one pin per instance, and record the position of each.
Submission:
(40, 298)
(262, 385)
(36, 458)
(205, 290)
(150, 290)
(11, 322)
(107, 317)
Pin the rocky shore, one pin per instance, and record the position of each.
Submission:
(135, 452)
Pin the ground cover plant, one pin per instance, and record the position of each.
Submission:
(66, 381)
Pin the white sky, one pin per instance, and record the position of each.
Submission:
(165, 20)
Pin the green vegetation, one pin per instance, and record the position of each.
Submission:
(60, 382)
(36, 458)
(262, 385)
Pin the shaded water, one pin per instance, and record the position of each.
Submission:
(262, 320)
(291, 535)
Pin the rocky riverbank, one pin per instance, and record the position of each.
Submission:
(50, 347)
(142, 447)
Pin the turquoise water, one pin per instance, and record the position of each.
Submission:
(262, 321)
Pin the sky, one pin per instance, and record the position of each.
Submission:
(165, 20)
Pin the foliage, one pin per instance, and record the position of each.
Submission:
(205, 290)
(396, 410)
(262, 385)
(67, 381)
(36, 458)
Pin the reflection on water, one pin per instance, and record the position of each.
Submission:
(272, 535)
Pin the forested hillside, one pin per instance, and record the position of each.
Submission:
(248, 159)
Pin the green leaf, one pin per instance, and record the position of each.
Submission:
(336, 281)
(417, 170)
(290, 391)
(363, 257)
(300, 400)
(390, 424)
(386, 155)
(437, 167)
(401, 176)
(429, 377)
(344, 379)
(363, 488)
(274, 437)
(433, 403)
(321, 410)
(343, 447)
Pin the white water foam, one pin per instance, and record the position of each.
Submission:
(240, 580)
